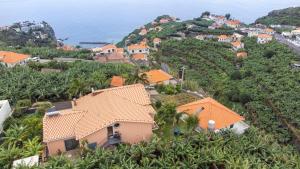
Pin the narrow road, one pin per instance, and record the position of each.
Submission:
(283, 40)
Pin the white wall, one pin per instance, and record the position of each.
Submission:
(5, 112)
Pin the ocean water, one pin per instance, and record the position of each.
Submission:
(111, 20)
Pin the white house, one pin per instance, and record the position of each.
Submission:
(264, 38)
(138, 48)
(28, 162)
(5, 112)
(224, 38)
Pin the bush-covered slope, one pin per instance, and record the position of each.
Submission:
(265, 89)
(288, 16)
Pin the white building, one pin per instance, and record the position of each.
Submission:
(138, 48)
(28, 162)
(5, 112)
(264, 38)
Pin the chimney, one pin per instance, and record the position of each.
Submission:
(74, 102)
(211, 125)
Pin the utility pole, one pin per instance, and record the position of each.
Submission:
(182, 75)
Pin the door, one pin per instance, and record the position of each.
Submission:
(110, 131)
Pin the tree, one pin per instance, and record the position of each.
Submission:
(32, 147)
(191, 122)
(206, 13)
(236, 75)
(15, 135)
(227, 16)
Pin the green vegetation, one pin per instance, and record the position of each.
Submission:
(288, 16)
(49, 52)
(77, 78)
(265, 89)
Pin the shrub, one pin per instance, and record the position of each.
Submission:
(236, 75)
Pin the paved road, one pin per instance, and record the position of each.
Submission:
(283, 40)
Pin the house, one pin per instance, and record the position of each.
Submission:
(214, 116)
(200, 37)
(287, 34)
(107, 49)
(237, 37)
(156, 42)
(240, 55)
(138, 48)
(233, 23)
(264, 38)
(111, 58)
(101, 118)
(28, 162)
(5, 112)
(139, 56)
(164, 20)
(143, 32)
(253, 33)
(224, 38)
(296, 32)
(117, 81)
(268, 31)
(11, 59)
(157, 77)
(237, 45)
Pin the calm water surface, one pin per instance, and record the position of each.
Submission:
(111, 20)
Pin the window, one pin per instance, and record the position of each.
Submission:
(92, 146)
(231, 126)
(140, 51)
(132, 51)
(71, 144)
(117, 125)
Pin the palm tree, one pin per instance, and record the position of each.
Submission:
(191, 122)
(32, 147)
(15, 135)
(137, 77)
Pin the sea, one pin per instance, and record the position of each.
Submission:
(111, 20)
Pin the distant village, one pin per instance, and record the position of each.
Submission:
(124, 113)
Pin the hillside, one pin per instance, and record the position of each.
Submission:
(288, 16)
(263, 88)
(28, 34)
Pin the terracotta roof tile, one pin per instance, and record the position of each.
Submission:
(138, 46)
(12, 57)
(98, 110)
(212, 110)
(60, 126)
(139, 56)
(117, 81)
(264, 36)
(156, 76)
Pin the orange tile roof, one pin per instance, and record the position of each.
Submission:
(264, 36)
(157, 76)
(141, 45)
(223, 37)
(117, 81)
(211, 110)
(110, 46)
(60, 126)
(120, 50)
(139, 56)
(269, 30)
(12, 57)
(236, 44)
(100, 109)
(241, 54)
(233, 22)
